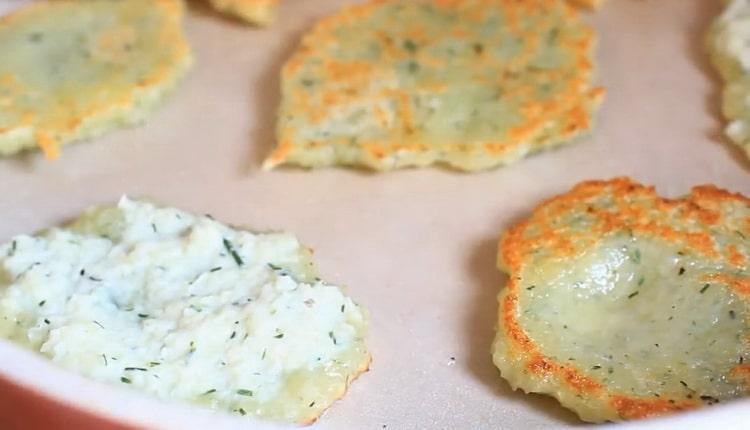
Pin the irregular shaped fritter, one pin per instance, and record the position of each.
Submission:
(729, 44)
(260, 12)
(623, 305)
(184, 308)
(472, 84)
(71, 70)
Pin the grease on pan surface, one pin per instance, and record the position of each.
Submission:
(472, 84)
(184, 308)
(71, 70)
(625, 305)
(261, 12)
(729, 43)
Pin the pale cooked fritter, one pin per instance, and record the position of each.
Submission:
(184, 308)
(472, 84)
(729, 44)
(71, 70)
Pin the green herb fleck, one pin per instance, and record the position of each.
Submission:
(274, 267)
(263, 356)
(596, 367)
(242, 412)
(553, 35)
(641, 280)
(105, 360)
(42, 302)
(732, 315)
(215, 269)
(705, 287)
(211, 391)
(631, 295)
(232, 252)
(681, 271)
(636, 257)
(410, 46)
(154, 363)
(244, 392)
(531, 287)
(142, 315)
(311, 404)
(739, 233)
(94, 279)
(192, 346)
(308, 82)
(333, 338)
(198, 276)
(342, 308)
(13, 247)
(279, 336)
(97, 323)
(234, 333)
(709, 399)
(125, 380)
(153, 227)
(140, 369)
(46, 321)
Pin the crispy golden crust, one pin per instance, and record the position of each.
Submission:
(72, 70)
(638, 208)
(472, 84)
(259, 12)
(709, 228)
(588, 4)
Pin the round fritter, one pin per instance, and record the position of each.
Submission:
(260, 12)
(71, 70)
(729, 44)
(625, 305)
(472, 84)
(184, 308)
